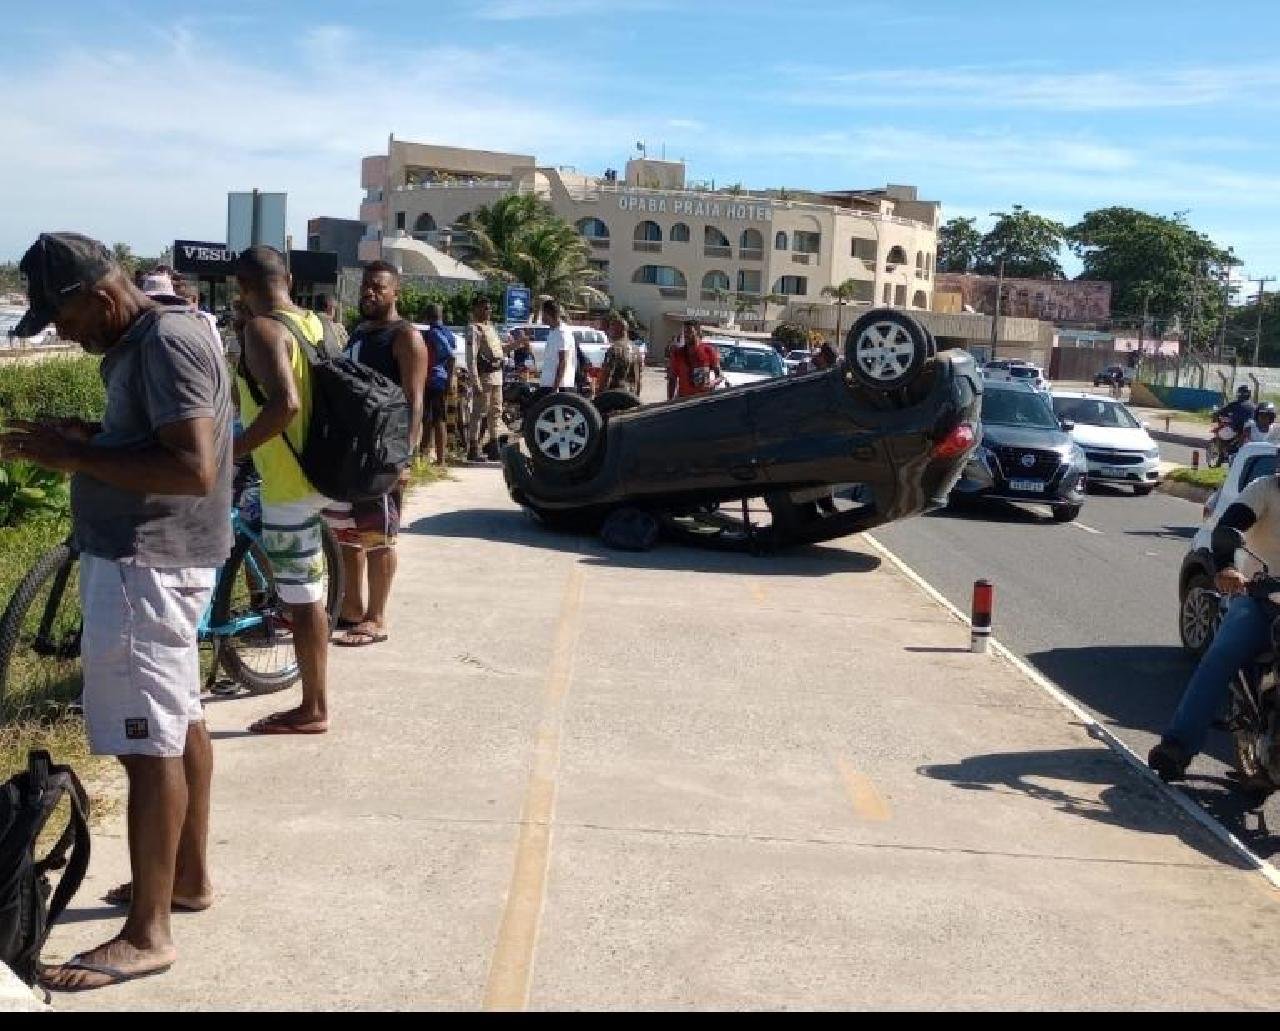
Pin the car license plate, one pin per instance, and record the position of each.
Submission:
(1111, 470)
(1030, 486)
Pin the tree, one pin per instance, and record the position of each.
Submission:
(1028, 244)
(958, 243)
(519, 239)
(125, 257)
(843, 293)
(790, 336)
(1157, 258)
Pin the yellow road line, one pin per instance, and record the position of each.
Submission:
(868, 803)
(511, 970)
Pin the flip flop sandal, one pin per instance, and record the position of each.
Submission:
(122, 895)
(277, 726)
(359, 639)
(115, 975)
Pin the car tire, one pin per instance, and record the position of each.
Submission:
(564, 433)
(1198, 614)
(611, 402)
(1065, 513)
(1142, 490)
(887, 349)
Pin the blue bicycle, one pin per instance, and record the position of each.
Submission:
(246, 627)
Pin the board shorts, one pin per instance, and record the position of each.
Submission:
(367, 524)
(293, 538)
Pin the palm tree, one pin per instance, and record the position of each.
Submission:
(842, 293)
(520, 239)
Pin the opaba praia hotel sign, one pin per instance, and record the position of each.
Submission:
(697, 207)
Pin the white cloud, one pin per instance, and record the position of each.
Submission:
(528, 10)
(1012, 87)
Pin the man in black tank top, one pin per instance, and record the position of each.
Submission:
(367, 529)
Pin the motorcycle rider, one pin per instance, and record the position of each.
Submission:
(1238, 412)
(1245, 631)
(1262, 427)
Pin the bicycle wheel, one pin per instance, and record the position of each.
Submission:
(40, 636)
(252, 624)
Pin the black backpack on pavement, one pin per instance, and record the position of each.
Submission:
(357, 442)
(27, 800)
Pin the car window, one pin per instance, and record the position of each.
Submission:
(1022, 372)
(1095, 411)
(1015, 408)
(1256, 467)
(743, 359)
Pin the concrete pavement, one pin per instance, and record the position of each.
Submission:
(580, 779)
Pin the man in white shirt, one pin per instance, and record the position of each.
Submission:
(1262, 427)
(560, 357)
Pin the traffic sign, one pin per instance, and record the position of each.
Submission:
(516, 304)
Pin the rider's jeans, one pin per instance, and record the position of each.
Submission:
(1244, 634)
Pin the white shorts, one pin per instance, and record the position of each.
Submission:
(141, 656)
(292, 535)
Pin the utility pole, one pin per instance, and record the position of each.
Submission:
(1226, 303)
(995, 317)
(1257, 340)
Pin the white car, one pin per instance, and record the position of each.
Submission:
(1117, 447)
(1016, 372)
(798, 362)
(1198, 609)
(744, 361)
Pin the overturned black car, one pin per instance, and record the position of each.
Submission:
(881, 436)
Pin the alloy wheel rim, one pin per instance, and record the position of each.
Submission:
(561, 433)
(884, 351)
(1197, 616)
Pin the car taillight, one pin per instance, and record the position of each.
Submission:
(955, 443)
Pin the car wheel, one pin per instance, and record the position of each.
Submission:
(886, 349)
(1143, 490)
(564, 433)
(1065, 513)
(1198, 614)
(611, 402)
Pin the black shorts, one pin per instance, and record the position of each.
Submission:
(434, 408)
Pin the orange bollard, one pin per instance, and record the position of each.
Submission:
(984, 597)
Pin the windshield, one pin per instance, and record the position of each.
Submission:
(741, 359)
(1022, 372)
(1095, 411)
(1014, 408)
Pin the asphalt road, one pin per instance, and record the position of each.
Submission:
(1093, 606)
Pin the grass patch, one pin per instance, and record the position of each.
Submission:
(425, 472)
(1203, 477)
(55, 387)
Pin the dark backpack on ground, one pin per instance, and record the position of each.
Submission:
(357, 443)
(27, 800)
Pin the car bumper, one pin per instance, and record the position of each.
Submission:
(978, 482)
(1147, 472)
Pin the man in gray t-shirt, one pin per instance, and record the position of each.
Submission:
(151, 500)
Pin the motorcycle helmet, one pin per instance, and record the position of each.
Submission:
(1243, 393)
(1266, 409)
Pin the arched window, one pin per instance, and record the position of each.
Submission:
(593, 229)
(749, 281)
(713, 282)
(649, 231)
(679, 233)
(920, 300)
(779, 241)
(897, 256)
(424, 223)
(660, 275)
(751, 243)
(715, 243)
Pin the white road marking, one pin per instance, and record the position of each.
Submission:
(1092, 727)
(1086, 529)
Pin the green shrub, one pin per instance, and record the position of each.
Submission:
(791, 335)
(27, 491)
(56, 387)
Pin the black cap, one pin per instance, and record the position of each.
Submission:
(58, 266)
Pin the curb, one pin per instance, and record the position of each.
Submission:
(1093, 728)
(1186, 491)
(1185, 439)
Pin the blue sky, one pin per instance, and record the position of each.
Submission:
(132, 120)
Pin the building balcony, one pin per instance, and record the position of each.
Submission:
(647, 246)
(673, 292)
(369, 250)
(600, 243)
(713, 295)
(714, 251)
(372, 211)
(751, 254)
(805, 259)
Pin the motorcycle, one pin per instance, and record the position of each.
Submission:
(1224, 441)
(1253, 718)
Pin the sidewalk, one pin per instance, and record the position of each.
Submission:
(580, 779)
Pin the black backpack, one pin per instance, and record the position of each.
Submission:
(357, 442)
(27, 800)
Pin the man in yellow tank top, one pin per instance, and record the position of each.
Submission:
(291, 506)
